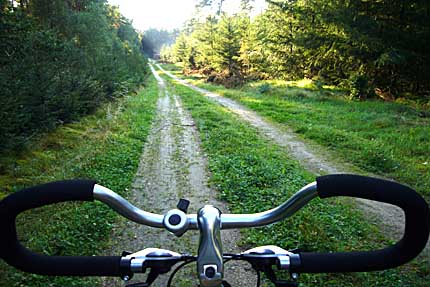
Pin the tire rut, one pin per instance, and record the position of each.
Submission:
(172, 167)
(389, 219)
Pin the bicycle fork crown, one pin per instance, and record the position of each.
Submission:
(210, 267)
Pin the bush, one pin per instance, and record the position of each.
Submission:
(264, 88)
(358, 86)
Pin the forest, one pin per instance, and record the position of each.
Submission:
(239, 109)
(60, 60)
(370, 48)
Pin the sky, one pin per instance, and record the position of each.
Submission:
(167, 14)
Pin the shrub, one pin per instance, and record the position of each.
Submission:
(358, 86)
(264, 88)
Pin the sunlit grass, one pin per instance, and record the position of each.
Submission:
(304, 83)
(252, 100)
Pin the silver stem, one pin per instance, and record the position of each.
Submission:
(210, 266)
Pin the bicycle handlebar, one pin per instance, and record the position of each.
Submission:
(417, 226)
(414, 240)
(285, 210)
(20, 257)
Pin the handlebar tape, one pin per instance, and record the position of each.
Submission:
(417, 226)
(20, 257)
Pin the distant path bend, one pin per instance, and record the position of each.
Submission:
(389, 218)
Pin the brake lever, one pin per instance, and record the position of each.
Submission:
(263, 259)
(159, 261)
(271, 255)
(152, 258)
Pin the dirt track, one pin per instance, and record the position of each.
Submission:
(172, 167)
(389, 218)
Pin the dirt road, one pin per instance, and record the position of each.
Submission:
(390, 219)
(172, 167)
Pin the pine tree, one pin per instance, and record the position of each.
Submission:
(227, 46)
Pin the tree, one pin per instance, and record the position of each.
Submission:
(227, 46)
(166, 54)
(384, 44)
(184, 51)
(205, 35)
(60, 60)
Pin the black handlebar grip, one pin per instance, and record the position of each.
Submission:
(18, 256)
(417, 226)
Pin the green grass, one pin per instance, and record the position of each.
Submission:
(254, 175)
(388, 139)
(106, 147)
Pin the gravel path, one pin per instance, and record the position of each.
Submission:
(172, 167)
(316, 159)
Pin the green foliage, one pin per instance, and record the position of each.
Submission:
(166, 54)
(182, 51)
(205, 35)
(264, 88)
(358, 86)
(227, 46)
(213, 46)
(60, 60)
(383, 41)
(106, 147)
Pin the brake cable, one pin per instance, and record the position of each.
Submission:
(179, 267)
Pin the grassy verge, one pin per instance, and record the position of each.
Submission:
(389, 139)
(105, 146)
(258, 175)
